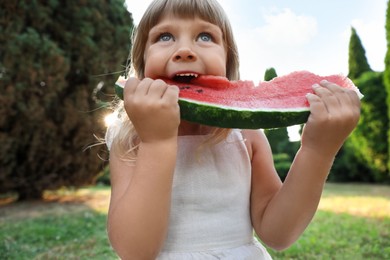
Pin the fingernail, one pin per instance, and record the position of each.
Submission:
(316, 86)
(324, 81)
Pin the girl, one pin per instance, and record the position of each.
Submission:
(186, 191)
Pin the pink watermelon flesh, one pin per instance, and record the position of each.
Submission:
(216, 101)
(282, 93)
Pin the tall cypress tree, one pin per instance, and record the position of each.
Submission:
(357, 60)
(387, 77)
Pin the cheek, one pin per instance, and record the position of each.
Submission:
(218, 62)
(151, 65)
(155, 59)
(147, 69)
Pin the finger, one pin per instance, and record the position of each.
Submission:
(354, 105)
(317, 106)
(337, 90)
(348, 109)
(157, 89)
(332, 87)
(327, 98)
(143, 87)
(130, 86)
(172, 93)
(354, 98)
(346, 97)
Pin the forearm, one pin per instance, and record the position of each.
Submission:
(138, 220)
(293, 207)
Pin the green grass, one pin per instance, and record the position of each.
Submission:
(353, 222)
(341, 236)
(68, 225)
(72, 236)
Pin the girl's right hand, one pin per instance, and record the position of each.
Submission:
(152, 106)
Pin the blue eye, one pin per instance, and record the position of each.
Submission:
(165, 37)
(205, 37)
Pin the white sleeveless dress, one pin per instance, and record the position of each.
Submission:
(210, 212)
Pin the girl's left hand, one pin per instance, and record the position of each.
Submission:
(335, 112)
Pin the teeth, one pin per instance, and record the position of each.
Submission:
(187, 75)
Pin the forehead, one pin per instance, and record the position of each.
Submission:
(170, 21)
(209, 11)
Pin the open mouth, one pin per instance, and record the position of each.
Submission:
(185, 77)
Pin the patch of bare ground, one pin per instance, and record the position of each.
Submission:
(55, 203)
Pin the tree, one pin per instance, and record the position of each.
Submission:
(387, 79)
(357, 60)
(364, 154)
(366, 149)
(269, 74)
(369, 139)
(51, 56)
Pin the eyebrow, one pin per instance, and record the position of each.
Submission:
(159, 29)
(203, 25)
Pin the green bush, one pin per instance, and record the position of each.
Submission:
(364, 156)
(51, 53)
(282, 163)
(104, 177)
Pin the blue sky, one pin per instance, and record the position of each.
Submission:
(300, 34)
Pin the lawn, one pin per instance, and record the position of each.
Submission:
(353, 222)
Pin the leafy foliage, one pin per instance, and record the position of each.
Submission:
(364, 155)
(269, 74)
(369, 139)
(51, 53)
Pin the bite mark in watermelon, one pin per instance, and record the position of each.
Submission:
(216, 101)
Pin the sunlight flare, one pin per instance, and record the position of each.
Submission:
(109, 119)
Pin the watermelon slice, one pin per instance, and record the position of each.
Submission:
(216, 101)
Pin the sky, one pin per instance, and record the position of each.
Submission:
(300, 34)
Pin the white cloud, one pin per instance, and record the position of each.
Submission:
(280, 43)
(288, 28)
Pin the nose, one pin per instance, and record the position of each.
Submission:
(184, 54)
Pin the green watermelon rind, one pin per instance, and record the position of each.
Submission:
(230, 117)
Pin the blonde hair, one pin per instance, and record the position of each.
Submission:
(209, 10)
